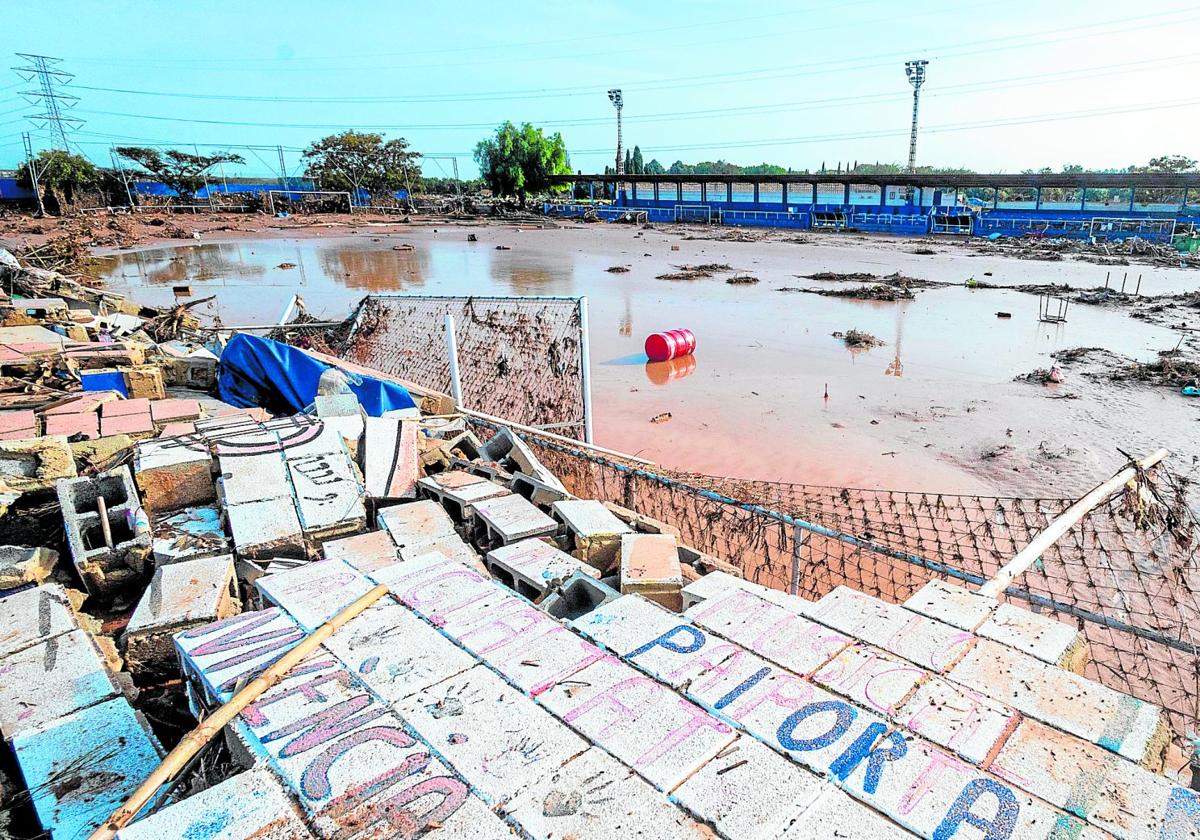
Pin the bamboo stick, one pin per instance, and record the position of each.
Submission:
(214, 723)
(1045, 538)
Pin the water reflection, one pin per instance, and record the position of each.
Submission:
(374, 270)
(661, 373)
(195, 263)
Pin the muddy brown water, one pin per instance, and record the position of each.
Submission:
(923, 412)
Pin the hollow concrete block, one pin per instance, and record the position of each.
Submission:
(416, 524)
(532, 567)
(594, 531)
(104, 568)
(314, 592)
(34, 615)
(329, 495)
(174, 474)
(650, 567)
(506, 519)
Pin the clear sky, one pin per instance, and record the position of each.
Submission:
(1011, 85)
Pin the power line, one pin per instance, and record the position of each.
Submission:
(49, 77)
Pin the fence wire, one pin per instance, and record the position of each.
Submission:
(519, 357)
(1126, 575)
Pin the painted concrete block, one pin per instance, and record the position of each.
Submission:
(365, 552)
(219, 656)
(85, 424)
(32, 465)
(416, 523)
(952, 604)
(511, 452)
(450, 548)
(596, 797)
(175, 473)
(1117, 722)
(871, 678)
(1092, 782)
(303, 436)
(594, 531)
(769, 630)
(435, 586)
(534, 566)
(497, 738)
(252, 804)
(505, 519)
(458, 491)
(750, 791)
(835, 816)
(650, 567)
(180, 596)
(252, 478)
(395, 653)
(958, 719)
(49, 680)
(190, 533)
(917, 638)
(135, 425)
(389, 458)
(34, 615)
(1041, 636)
(266, 528)
(718, 583)
(645, 724)
(329, 497)
(315, 592)
(85, 765)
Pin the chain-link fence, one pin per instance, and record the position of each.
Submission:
(520, 358)
(1125, 575)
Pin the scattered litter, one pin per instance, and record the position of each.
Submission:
(661, 418)
(859, 339)
(617, 269)
(286, 265)
(741, 280)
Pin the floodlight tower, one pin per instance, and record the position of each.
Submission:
(614, 96)
(915, 70)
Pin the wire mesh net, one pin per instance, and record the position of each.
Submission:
(1125, 575)
(519, 357)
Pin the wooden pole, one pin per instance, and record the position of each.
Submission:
(178, 758)
(1027, 556)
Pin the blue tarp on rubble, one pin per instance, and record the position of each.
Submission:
(283, 379)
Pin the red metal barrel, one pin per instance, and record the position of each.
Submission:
(672, 344)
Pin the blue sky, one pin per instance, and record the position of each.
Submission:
(1012, 85)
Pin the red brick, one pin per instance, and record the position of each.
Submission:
(163, 411)
(178, 429)
(89, 401)
(126, 424)
(118, 408)
(16, 421)
(86, 423)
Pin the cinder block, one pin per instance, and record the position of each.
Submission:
(27, 466)
(315, 592)
(952, 604)
(835, 816)
(917, 638)
(84, 766)
(471, 718)
(511, 452)
(871, 678)
(769, 630)
(416, 523)
(366, 552)
(389, 458)
(507, 519)
(1120, 723)
(451, 548)
(436, 586)
(21, 565)
(191, 533)
(144, 382)
(650, 567)
(49, 680)
(174, 474)
(181, 595)
(111, 559)
(250, 804)
(594, 531)
(532, 567)
(457, 491)
(164, 411)
(749, 790)
(395, 653)
(639, 720)
(329, 496)
(596, 797)
(267, 528)
(958, 719)
(577, 596)
(34, 615)
(219, 656)
(1041, 636)
(251, 477)
(718, 583)
(541, 494)
(640, 522)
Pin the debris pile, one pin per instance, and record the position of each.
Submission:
(695, 272)
(857, 339)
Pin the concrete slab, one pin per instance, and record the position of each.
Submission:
(436, 586)
(219, 656)
(650, 567)
(1120, 723)
(134, 425)
(638, 720)
(389, 458)
(1041, 636)
(23, 424)
(252, 478)
(85, 765)
(871, 678)
(594, 531)
(121, 408)
(917, 638)
(174, 474)
(416, 523)
(329, 496)
(718, 583)
(534, 566)
(365, 552)
(164, 411)
(952, 604)
(252, 804)
(267, 528)
(835, 816)
(34, 615)
(451, 548)
(597, 797)
(506, 519)
(50, 680)
(749, 790)
(32, 465)
(497, 738)
(395, 653)
(192, 532)
(86, 424)
(960, 720)
(315, 592)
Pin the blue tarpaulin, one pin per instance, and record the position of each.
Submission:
(283, 379)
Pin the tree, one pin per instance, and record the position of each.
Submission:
(518, 161)
(628, 162)
(180, 171)
(654, 167)
(1167, 163)
(638, 165)
(356, 160)
(61, 175)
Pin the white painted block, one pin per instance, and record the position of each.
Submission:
(416, 523)
(34, 615)
(1041, 636)
(266, 527)
(871, 678)
(389, 458)
(511, 518)
(252, 478)
(49, 680)
(718, 583)
(435, 586)
(329, 497)
(365, 552)
(835, 816)
(314, 592)
(534, 566)
(451, 548)
(184, 593)
(458, 491)
(957, 718)
(951, 604)
(220, 656)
